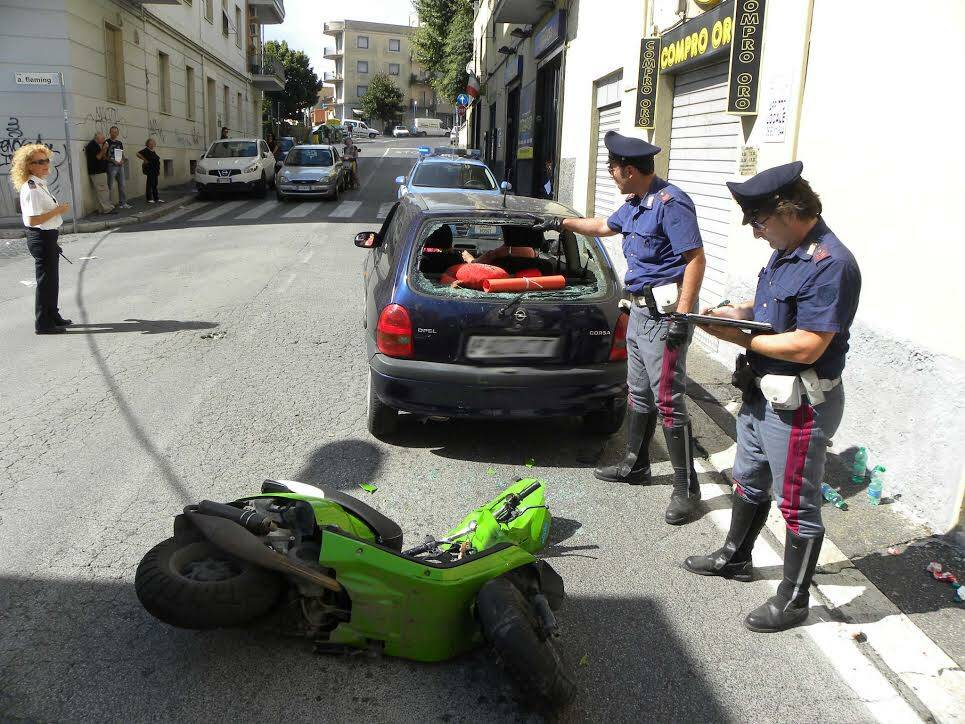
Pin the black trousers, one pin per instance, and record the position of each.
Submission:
(43, 247)
(150, 193)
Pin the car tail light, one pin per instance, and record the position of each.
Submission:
(618, 348)
(393, 336)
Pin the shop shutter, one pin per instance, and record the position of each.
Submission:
(704, 147)
(606, 199)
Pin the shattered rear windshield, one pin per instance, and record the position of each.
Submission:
(512, 245)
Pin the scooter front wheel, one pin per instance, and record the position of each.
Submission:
(534, 664)
(197, 585)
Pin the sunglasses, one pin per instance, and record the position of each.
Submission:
(759, 224)
(42, 162)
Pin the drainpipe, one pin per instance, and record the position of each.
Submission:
(804, 73)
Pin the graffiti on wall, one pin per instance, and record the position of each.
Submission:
(102, 118)
(188, 139)
(154, 129)
(13, 138)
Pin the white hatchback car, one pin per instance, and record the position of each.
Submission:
(400, 132)
(235, 164)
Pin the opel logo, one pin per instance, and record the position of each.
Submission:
(520, 315)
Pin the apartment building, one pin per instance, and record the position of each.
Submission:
(730, 88)
(177, 70)
(362, 50)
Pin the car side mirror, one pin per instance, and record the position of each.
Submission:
(202, 156)
(505, 186)
(367, 240)
(400, 180)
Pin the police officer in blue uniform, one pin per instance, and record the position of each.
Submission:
(791, 380)
(663, 248)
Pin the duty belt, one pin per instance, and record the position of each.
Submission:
(826, 385)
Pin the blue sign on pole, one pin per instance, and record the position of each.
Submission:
(462, 99)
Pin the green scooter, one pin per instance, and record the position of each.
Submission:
(334, 568)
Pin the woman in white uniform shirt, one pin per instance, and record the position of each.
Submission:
(42, 216)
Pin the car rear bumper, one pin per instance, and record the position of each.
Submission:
(456, 390)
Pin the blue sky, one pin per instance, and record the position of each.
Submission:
(304, 18)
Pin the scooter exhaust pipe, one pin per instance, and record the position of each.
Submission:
(248, 518)
(238, 541)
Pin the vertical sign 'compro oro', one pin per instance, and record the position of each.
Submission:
(745, 57)
(647, 82)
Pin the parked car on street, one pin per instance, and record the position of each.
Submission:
(400, 131)
(360, 129)
(438, 350)
(311, 170)
(235, 164)
(430, 127)
(444, 170)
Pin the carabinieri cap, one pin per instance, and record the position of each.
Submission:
(752, 194)
(624, 147)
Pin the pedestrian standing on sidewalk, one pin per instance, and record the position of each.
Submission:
(793, 399)
(115, 167)
(96, 155)
(662, 244)
(42, 216)
(151, 167)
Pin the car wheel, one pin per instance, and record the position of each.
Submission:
(607, 421)
(335, 193)
(279, 195)
(382, 421)
(371, 135)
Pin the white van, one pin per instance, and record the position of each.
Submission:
(359, 129)
(430, 127)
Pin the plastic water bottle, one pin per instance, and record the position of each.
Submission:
(874, 488)
(833, 496)
(860, 466)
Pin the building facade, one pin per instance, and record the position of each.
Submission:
(728, 89)
(177, 70)
(362, 50)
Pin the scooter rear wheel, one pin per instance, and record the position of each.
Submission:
(196, 585)
(534, 664)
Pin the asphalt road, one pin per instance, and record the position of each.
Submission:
(212, 352)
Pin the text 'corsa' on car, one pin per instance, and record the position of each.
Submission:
(235, 165)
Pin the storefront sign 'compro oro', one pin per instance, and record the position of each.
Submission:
(698, 41)
(647, 83)
(745, 57)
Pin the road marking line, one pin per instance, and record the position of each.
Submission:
(308, 256)
(219, 211)
(259, 210)
(384, 210)
(346, 209)
(180, 212)
(304, 208)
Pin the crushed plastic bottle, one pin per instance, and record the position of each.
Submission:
(876, 485)
(860, 466)
(959, 594)
(833, 496)
(934, 567)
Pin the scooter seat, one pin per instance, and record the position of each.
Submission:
(387, 532)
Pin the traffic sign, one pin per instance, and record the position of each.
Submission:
(38, 78)
(461, 110)
(462, 99)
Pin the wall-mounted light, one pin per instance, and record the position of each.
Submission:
(506, 50)
(521, 32)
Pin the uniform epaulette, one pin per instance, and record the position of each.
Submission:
(31, 183)
(821, 253)
(665, 196)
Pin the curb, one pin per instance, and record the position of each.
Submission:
(916, 679)
(84, 227)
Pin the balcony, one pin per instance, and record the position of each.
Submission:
(156, 2)
(268, 77)
(522, 12)
(334, 27)
(266, 12)
(329, 77)
(332, 53)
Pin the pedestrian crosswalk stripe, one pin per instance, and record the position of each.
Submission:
(384, 210)
(181, 212)
(302, 208)
(219, 211)
(259, 210)
(346, 209)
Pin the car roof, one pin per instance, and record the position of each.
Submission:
(235, 140)
(475, 202)
(452, 159)
(314, 145)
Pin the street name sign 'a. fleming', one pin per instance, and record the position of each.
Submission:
(38, 79)
(745, 57)
(647, 82)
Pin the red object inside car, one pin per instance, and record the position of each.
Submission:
(472, 275)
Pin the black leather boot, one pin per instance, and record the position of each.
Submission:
(686, 488)
(635, 467)
(790, 606)
(733, 560)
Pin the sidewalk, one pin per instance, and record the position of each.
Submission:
(871, 574)
(11, 227)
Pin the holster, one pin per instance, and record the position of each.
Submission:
(743, 377)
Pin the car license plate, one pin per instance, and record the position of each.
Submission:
(317, 187)
(224, 180)
(511, 347)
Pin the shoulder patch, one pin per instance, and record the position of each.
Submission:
(665, 196)
(821, 253)
(31, 183)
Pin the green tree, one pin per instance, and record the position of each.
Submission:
(301, 83)
(443, 43)
(383, 99)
